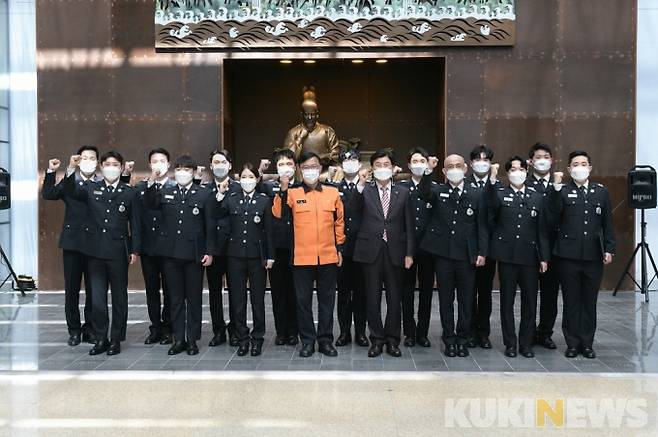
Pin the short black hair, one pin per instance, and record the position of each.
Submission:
(384, 152)
(508, 164)
(283, 153)
(305, 156)
(418, 150)
(185, 161)
(478, 150)
(160, 150)
(539, 146)
(349, 152)
(88, 147)
(222, 152)
(249, 166)
(112, 154)
(576, 153)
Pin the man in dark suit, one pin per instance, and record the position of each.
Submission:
(585, 243)
(186, 241)
(72, 243)
(351, 294)
(541, 159)
(159, 311)
(384, 246)
(458, 237)
(481, 157)
(221, 164)
(113, 241)
(423, 267)
(519, 242)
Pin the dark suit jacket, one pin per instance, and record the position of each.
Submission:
(399, 224)
(222, 224)
(151, 219)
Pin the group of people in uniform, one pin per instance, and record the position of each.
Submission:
(351, 236)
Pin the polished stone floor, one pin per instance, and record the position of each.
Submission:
(33, 337)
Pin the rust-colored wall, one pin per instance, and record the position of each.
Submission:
(569, 81)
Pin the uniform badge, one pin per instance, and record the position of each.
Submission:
(122, 208)
(98, 193)
(257, 219)
(533, 213)
(241, 202)
(592, 190)
(428, 206)
(253, 202)
(598, 210)
(469, 211)
(195, 211)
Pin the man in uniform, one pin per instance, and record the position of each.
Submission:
(585, 243)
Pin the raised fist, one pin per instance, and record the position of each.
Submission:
(331, 172)
(363, 176)
(74, 161)
(129, 167)
(264, 165)
(54, 164)
(494, 170)
(432, 162)
(199, 172)
(557, 177)
(223, 186)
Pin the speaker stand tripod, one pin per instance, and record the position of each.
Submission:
(643, 247)
(12, 273)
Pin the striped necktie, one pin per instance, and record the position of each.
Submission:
(385, 204)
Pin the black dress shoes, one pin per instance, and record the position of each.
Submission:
(362, 340)
(307, 350)
(471, 342)
(74, 340)
(327, 349)
(256, 348)
(233, 341)
(375, 350)
(451, 350)
(571, 352)
(243, 349)
(192, 348)
(99, 347)
(343, 340)
(547, 342)
(167, 339)
(280, 340)
(588, 352)
(87, 337)
(154, 337)
(485, 343)
(462, 350)
(293, 340)
(409, 342)
(423, 341)
(393, 350)
(115, 348)
(510, 351)
(177, 347)
(526, 352)
(217, 339)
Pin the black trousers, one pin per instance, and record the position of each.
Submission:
(215, 273)
(185, 281)
(580, 282)
(423, 269)
(284, 301)
(484, 276)
(75, 267)
(382, 271)
(526, 278)
(325, 278)
(351, 297)
(159, 311)
(549, 286)
(239, 271)
(115, 273)
(454, 275)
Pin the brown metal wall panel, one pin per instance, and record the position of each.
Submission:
(509, 137)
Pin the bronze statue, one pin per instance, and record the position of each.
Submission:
(312, 136)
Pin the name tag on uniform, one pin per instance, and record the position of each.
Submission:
(508, 199)
(301, 201)
(276, 189)
(98, 193)
(169, 196)
(572, 195)
(444, 194)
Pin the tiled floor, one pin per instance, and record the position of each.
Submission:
(33, 337)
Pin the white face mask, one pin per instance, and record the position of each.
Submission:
(455, 175)
(162, 167)
(220, 170)
(285, 170)
(579, 174)
(248, 185)
(183, 177)
(418, 169)
(111, 173)
(87, 166)
(517, 177)
(481, 167)
(311, 175)
(351, 166)
(383, 173)
(542, 164)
